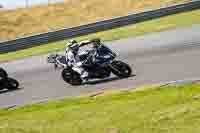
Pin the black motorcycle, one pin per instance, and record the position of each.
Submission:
(98, 67)
(7, 82)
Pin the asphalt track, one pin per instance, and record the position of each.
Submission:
(156, 57)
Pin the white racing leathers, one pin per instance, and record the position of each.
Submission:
(74, 61)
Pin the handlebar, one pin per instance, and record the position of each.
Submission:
(89, 58)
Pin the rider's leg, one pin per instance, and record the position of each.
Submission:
(84, 74)
(81, 71)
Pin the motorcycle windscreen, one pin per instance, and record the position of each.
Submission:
(104, 54)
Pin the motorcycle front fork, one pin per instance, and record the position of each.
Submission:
(113, 68)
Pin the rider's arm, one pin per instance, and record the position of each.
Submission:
(83, 43)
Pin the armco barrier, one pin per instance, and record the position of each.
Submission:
(36, 40)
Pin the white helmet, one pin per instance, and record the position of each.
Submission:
(73, 44)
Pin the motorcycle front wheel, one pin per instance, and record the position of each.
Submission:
(71, 77)
(121, 69)
(12, 84)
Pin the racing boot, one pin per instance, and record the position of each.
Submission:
(84, 76)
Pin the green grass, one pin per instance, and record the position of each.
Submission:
(157, 25)
(173, 109)
(38, 19)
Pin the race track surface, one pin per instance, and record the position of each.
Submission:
(157, 57)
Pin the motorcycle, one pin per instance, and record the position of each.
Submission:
(97, 67)
(7, 82)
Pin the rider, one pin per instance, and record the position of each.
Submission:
(101, 52)
(73, 60)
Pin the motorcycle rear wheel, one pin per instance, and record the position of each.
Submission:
(71, 77)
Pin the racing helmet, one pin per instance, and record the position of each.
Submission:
(96, 42)
(73, 45)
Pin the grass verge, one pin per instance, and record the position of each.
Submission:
(157, 25)
(71, 13)
(169, 109)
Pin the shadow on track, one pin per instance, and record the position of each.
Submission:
(7, 91)
(95, 82)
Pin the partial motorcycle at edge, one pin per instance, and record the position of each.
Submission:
(7, 82)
